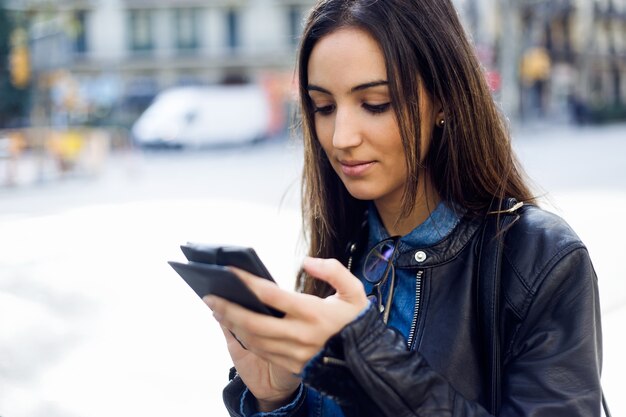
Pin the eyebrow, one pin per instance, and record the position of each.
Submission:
(360, 87)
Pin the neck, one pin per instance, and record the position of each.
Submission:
(390, 211)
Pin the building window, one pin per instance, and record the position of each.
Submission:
(80, 32)
(141, 27)
(186, 24)
(232, 29)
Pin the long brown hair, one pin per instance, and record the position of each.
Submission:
(470, 160)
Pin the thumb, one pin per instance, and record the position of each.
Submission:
(331, 271)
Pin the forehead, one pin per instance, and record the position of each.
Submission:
(346, 57)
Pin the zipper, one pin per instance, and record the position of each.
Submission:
(416, 310)
(327, 360)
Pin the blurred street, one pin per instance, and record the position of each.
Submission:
(95, 323)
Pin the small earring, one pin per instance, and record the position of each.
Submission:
(441, 123)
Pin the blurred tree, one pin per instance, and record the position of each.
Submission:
(14, 72)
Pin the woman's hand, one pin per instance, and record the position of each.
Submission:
(277, 349)
(271, 385)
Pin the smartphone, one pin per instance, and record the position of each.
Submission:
(238, 256)
(218, 280)
(206, 273)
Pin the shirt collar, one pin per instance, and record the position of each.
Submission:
(435, 228)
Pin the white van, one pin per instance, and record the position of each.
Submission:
(201, 116)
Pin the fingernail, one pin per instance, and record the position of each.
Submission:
(217, 316)
(208, 300)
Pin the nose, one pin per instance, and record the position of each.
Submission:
(347, 133)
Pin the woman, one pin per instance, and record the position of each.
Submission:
(408, 167)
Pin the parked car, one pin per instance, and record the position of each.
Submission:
(202, 116)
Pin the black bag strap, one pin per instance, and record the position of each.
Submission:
(490, 265)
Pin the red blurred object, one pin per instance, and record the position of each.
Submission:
(494, 80)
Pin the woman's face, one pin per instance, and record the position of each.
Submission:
(354, 120)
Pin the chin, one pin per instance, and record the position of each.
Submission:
(362, 193)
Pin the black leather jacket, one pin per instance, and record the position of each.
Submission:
(551, 340)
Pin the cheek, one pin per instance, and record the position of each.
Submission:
(391, 132)
(395, 150)
(324, 133)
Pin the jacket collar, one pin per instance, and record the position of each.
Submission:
(443, 251)
(450, 247)
(422, 257)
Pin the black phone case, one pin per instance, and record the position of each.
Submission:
(207, 279)
(241, 257)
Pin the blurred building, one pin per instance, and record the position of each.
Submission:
(128, 50)
(605, 61)
(585, 42)
(182, 41)
(120, 53)
(542, 57)
(555, 58)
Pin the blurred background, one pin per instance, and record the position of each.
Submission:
(129, 127)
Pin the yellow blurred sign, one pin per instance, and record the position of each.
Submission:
(66, 145)
(19, 63)
(536, 65)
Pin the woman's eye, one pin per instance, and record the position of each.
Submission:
(377, 108)
(324, 110)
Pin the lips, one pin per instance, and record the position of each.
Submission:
(355, 168)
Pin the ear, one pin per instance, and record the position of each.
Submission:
(438, 113)
(440, 117)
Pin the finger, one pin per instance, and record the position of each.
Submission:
(266, 348)
(264, 335)
(252, 281)
(284, 354)
(269, 337)
(237, 352)
(270, 294)
(238, 340)
(235, 346)
(331, 271)
(243, 322)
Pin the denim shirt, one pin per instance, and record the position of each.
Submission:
(433, 230)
